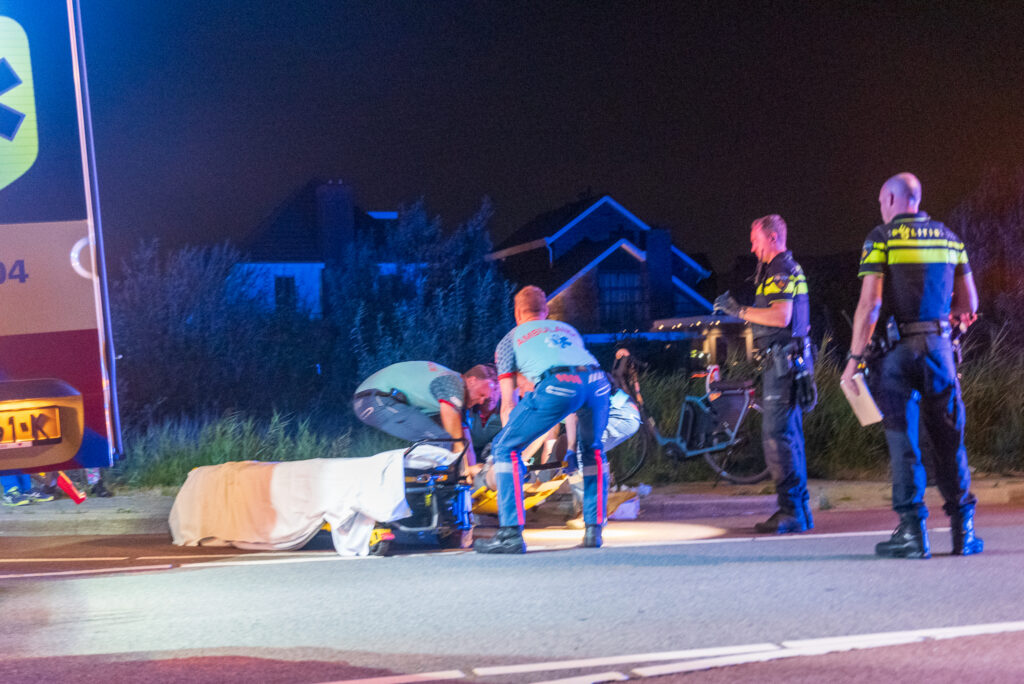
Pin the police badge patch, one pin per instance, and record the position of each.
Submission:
(781, 281)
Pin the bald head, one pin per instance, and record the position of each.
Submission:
(901, 194)
(530, 304)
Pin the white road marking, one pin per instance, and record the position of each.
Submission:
(623, 659)
(825, 645)
(272, 561)
(66, 573)
(696, 659)
(191, 555)
(404, 678)
(595, 678)
(725, 540)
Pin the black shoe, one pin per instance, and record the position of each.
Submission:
(100, 491)
(909, 540)
(781, 522)
(964, 541)
(592, 537)
(505, 540)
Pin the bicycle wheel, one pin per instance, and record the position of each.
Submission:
(743, 461)
(629, 457)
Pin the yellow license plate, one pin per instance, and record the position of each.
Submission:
(29, 427)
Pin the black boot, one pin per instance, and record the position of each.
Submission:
(592, 537)
(782, 522)
(964, 541)
(909, 540)
(505, 540)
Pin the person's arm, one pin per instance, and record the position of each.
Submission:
(777, 315)
(508, 396)
(864, 320)
(965, 299)
(451, 421)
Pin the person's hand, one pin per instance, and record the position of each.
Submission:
(963, 321)
(727, 304)
(472, 471)
(848, 373)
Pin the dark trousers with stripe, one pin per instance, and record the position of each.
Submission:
(782, 433)
(555, 397)
(918, 388)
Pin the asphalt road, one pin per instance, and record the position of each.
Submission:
(155, 612)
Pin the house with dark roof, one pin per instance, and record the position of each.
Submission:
(288, 251)
(603, 268)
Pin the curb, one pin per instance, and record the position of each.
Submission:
(144, 512)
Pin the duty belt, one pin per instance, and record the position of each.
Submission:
(396, 394)
(925, 328)
(566, 369)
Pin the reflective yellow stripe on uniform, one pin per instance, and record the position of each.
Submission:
(928, 255)
(876, 255)
(794, 286)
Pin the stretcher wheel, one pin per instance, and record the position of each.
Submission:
(381, 548)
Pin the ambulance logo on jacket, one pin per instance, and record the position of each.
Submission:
(558, 341)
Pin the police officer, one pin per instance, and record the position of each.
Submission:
(781, 325)
(416, 400)
(561, 377)
(918, 269)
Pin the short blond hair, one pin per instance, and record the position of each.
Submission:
(772, 223)
(532, 299)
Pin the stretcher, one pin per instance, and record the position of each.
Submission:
(441, 500)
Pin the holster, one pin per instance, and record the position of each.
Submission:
(797, 357)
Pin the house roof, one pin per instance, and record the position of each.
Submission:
(293, 233)
(546, 224)
(586, 258)
(546, 228)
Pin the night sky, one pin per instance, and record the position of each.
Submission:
(696, 116)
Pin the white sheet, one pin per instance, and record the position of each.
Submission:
(280, 506)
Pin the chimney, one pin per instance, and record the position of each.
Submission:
(335, 216)
(659, 273)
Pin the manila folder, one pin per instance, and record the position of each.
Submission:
(864, 406)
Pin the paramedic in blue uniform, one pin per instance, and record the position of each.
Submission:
(562, 377)
(415, 400)
(781, 321)
(915, 269)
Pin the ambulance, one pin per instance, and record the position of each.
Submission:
(58, 407)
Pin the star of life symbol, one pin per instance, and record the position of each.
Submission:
(555, 340)
(19, 138)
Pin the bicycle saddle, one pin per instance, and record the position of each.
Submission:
(730, 385)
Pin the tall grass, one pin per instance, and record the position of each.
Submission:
(161, 455)
(993, 388)
(836, 444)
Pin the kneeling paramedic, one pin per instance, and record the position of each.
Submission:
(417, 400)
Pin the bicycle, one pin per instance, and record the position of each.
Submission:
(723, 426)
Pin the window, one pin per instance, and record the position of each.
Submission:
(622, 299)
(284, 293)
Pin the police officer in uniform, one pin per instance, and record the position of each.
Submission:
(781, 324)
(922, 268)
(561, 377)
